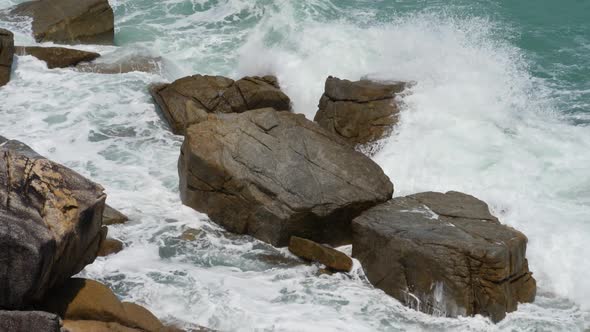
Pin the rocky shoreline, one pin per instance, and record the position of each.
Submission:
(256, 168)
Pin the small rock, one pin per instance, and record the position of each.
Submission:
(444, 254)
(57, 57)
(70, 21)
(361, 112)
(6, 55)
(28, 321)
(111, 216)
(316, 252)
(191, 234)
(109, 246)
(83, 299)
(190, 99)
(127, 65)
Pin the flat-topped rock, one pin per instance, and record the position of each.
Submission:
(50, 224)
(6, 55)
(276, 174)
(70, 21)
(57, 57)
(361, 112)
(190, 99)
(444, 254)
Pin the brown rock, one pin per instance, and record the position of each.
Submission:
(57, 57)
(191, 234)
(82, 299)
(316, 252)
(95, 326)
(444, 254)
(276, 174)
(190, 99)
(110, 246)
(113, 217)
(50, 224)
(361, 112)
(6, 55)
(70, 21)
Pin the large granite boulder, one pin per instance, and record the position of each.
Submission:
(57, 57)
(444, 254)
(82, 299)
(361, 112)
(188, 100)
(276, 174)
(6, 55)
(28, 321)
(50, 224)
(70, 21)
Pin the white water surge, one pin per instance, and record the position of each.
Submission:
(476, 121)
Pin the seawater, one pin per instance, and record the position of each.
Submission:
(501, 110)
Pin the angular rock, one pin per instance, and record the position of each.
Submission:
(28, 321)
(83, 299)
(361, 112)
(50, 224)
(315, 252)
(70, 21)
(276, 174)
(109, 246)
(57, 57)
(190, 99)
(444, 254)
(111, 216)
(6, 55)
(127, 65)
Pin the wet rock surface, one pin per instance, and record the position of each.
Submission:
(444, 254)
(190, 99)
(276, 174)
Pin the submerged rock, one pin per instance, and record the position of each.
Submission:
(276, 174)
(444, 254)
(95, 326)
(111, 216)
(57, 57)
(361, 112)
(50, 224)
(70, 21)
(190, 99)
(28, 321)
(6, 55)
(127, 65)
(311, 251)
(88, 300)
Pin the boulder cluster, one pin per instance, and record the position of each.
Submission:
(256, 168)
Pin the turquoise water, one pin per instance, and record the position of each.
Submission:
(500, 110)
